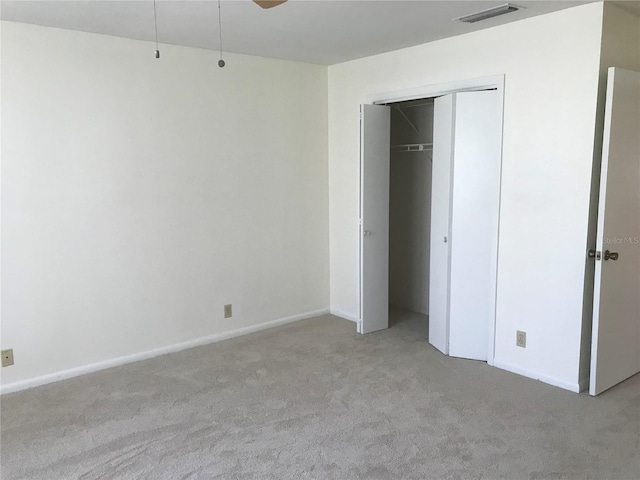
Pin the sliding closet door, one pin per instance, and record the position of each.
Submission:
(440, 220)
(474, 223)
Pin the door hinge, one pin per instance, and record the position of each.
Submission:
(594, 254)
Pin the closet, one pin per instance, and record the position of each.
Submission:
(410, 205)
(429, 210)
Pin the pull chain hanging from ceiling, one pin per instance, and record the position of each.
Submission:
(155, 22)
(221, 61)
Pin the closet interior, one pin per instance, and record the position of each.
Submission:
(410, 212)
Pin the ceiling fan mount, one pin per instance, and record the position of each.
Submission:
(268, 3)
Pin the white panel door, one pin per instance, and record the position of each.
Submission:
(474, 224)
(440, 222)
(615, 347)
(375, 139)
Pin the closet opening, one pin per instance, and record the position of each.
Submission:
(410, 215)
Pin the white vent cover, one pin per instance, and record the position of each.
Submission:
(489, 13)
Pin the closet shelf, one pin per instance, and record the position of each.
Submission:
(412, 147)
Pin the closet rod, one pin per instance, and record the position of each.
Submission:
(412, 147)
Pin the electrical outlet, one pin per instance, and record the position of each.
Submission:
(228, 313)
(7, 357)
(521, 339)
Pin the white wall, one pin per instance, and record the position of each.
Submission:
(140, 195)
(410, 211)
(620, 48)
(551, 64)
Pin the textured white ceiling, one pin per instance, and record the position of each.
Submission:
(323, 32)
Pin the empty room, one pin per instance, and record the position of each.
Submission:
(329, 239)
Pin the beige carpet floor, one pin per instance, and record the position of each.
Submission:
(314, 400)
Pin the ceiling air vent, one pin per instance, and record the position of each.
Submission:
(489, 13)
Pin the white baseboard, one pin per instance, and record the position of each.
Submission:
(346, 316)
(572, 387)
(115, 362)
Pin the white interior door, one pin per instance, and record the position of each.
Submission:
(474, 223)
(375, 133)
(439, 255)
(615, 347)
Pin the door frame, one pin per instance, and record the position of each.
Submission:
(436, 90)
